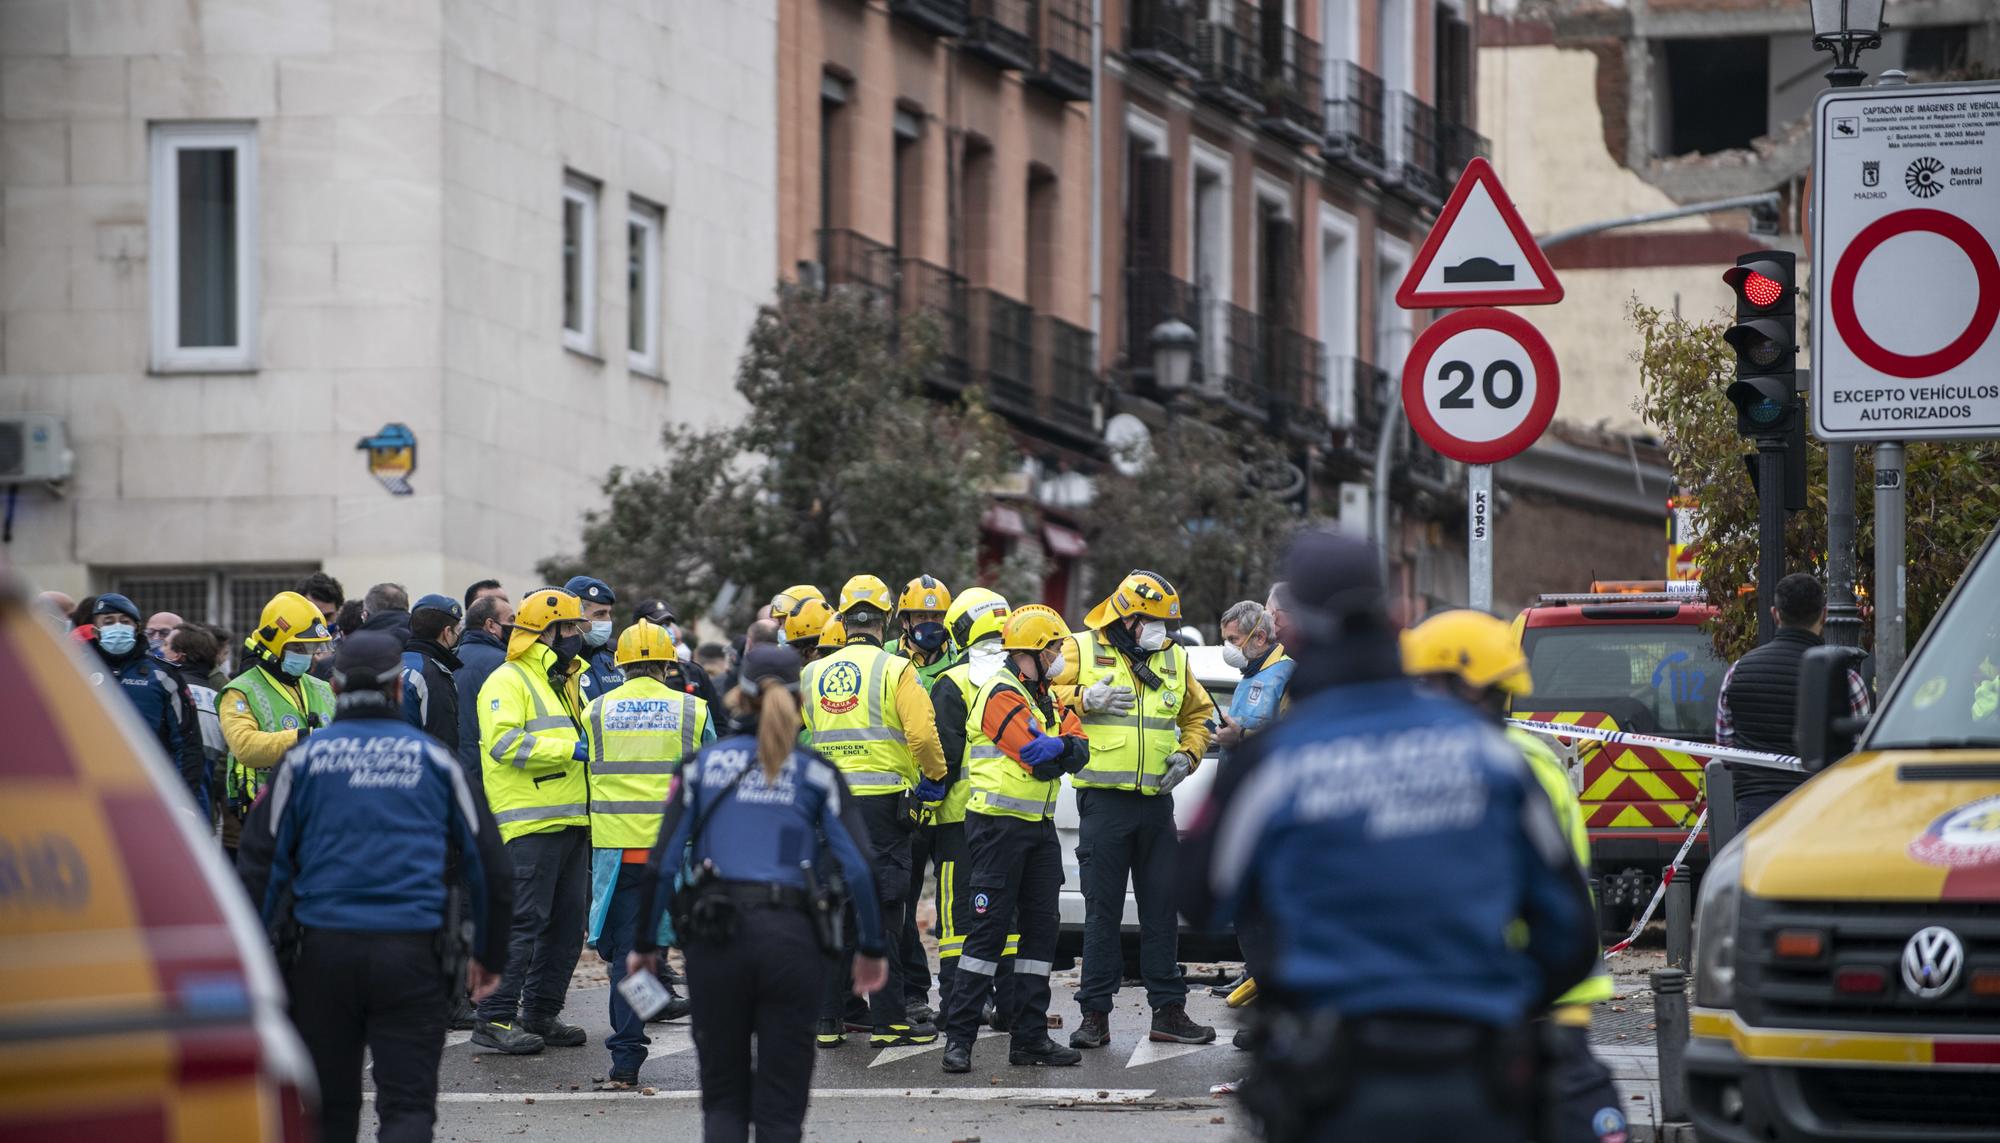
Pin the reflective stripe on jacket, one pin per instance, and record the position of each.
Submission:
(276, 711)
(1129, 751)
(639, 734)
(1000, 785)
(848, 702)
(528, 733)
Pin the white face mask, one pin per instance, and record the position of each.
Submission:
(1152, 635)
(1234, 656)
(1054, 670)
(984, 661)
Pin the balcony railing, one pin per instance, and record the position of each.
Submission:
(1003, 348)
(938, 17)
(1292, 85)
(1298, 384)
(1364, 392)
(1067, 355)
(1238, 340)
(1458, 145)
(934, 290)
(854, 261)
(1161, 35)
(1230, 51)
(1420, 165)
(1151, 298)
(1354, 134)
(1062, 65)
(1002, 32)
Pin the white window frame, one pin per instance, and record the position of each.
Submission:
(585, 192)
(166, 142)
(1206, 161)
(1339, 306)
(1392, 341)
(652, 219)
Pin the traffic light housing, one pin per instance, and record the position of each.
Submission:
(1766, 340)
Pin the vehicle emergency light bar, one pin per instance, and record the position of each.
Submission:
(1692, 596)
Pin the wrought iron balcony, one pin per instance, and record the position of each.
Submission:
(852, 260)
(1235, 340)
(1292, 86)
(1002, 32)
(1420, 163)
(1153, 297)
(1062, 66)
(1458, 145)
(1003, 349)
(938, 17)
(1354, 134)
(1298, 384)
(927, 289)
(1161, 35)
(1230, 51)
(1363, 391)
(1067, 358)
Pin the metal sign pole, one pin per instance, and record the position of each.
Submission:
(1889, 593)
(1479, 535)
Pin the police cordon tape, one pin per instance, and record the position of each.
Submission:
(1718, 753)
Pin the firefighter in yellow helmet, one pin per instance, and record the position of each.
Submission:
(1147, 717)
(639, 733)
(804, 626)
(920, 612)
(784, 604)
(832, 637)
(273, 703)
(532, 753)
(865, 710)
(923, 640)
(1019, 744)
(1476, 657)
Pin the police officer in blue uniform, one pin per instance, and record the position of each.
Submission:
(742, 835)
(153, 689)
(600, 666)
(365, 814)
(1386, 839)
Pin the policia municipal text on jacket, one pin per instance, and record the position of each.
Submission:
(532, 751)
(1019, 744)
(357, 830)
(743, 835)
(866, 712)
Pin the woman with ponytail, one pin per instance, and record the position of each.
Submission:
(741, 845)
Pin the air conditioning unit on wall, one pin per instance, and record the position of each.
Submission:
(34, 449)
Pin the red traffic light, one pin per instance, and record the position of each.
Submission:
(1763, 292)
(1759, 283)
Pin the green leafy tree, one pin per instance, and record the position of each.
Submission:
(1953, 488)
(1197, 514)
(842, 465)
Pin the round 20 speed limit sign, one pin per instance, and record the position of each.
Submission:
(1480, 385)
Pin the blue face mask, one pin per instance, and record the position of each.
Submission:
(297, 663)
(118, 640)
(600, 633)
(928, 636)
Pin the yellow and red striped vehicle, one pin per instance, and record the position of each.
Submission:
(138, 998)
(1632, 657)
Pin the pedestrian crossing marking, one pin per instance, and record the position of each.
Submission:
(983, 1094)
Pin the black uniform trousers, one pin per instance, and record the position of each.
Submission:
(915, 963)
(761, 984)
(1016, 873)
(888, 845)
(551, 912)
(954, 880)
(1121, 834)
(1586, 1104)
(383, 992)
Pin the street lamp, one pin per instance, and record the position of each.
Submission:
(1846, 28)
(1174, 343)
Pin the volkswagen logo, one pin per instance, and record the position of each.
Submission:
(1932, 961)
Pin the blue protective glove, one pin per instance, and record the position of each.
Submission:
(930, 790)
(1044, 748)
(582, 751)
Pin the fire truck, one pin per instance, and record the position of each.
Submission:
(1627, 656)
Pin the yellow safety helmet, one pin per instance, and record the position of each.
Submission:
(924, 593)
(833, 635)
(1472, 645)
(1143, 593)
(644, 642)
(786, 603)
(803, 625)
(1033, 627)
(865, 591)
(977, 613)
(545, 606)
(288, 618)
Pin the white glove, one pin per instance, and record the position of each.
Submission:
(1179, 765)
(1101, 697)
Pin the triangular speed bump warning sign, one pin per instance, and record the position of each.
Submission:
(1479, 252)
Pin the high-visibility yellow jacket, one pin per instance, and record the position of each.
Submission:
(528, 731)
(1129, 751)
(952, 809)
(1548, 770)
(1000, 785)
(866, 711)
(639, 732)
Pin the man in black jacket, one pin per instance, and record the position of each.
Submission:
(430, 692)
(1758, 704)
(481, 649)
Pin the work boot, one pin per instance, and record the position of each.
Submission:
(557, 1034)
(1172, 1026)
(919, 1012)
(462, 1016)
(508, 1038)
(1241, 1040)
(902, 1035)
(1045, 1053)
(995, 1020)
(958, 1058)
(677, 1007)
(830, 1034)
(1094, 1032)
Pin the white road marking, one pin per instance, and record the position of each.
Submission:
(892, 1055)
(977, 1094)
(454, 1039)
(1148, 1052)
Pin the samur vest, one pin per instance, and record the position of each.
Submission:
(999, 785)
(274, 711)
(639, 735)
(1764, 703)
(848, 704)
(952, 809)
(1129, 751)
(528, 736)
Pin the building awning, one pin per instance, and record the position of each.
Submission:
(1003, 521)
(1064, 542)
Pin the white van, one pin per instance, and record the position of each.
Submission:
(1219, 679)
